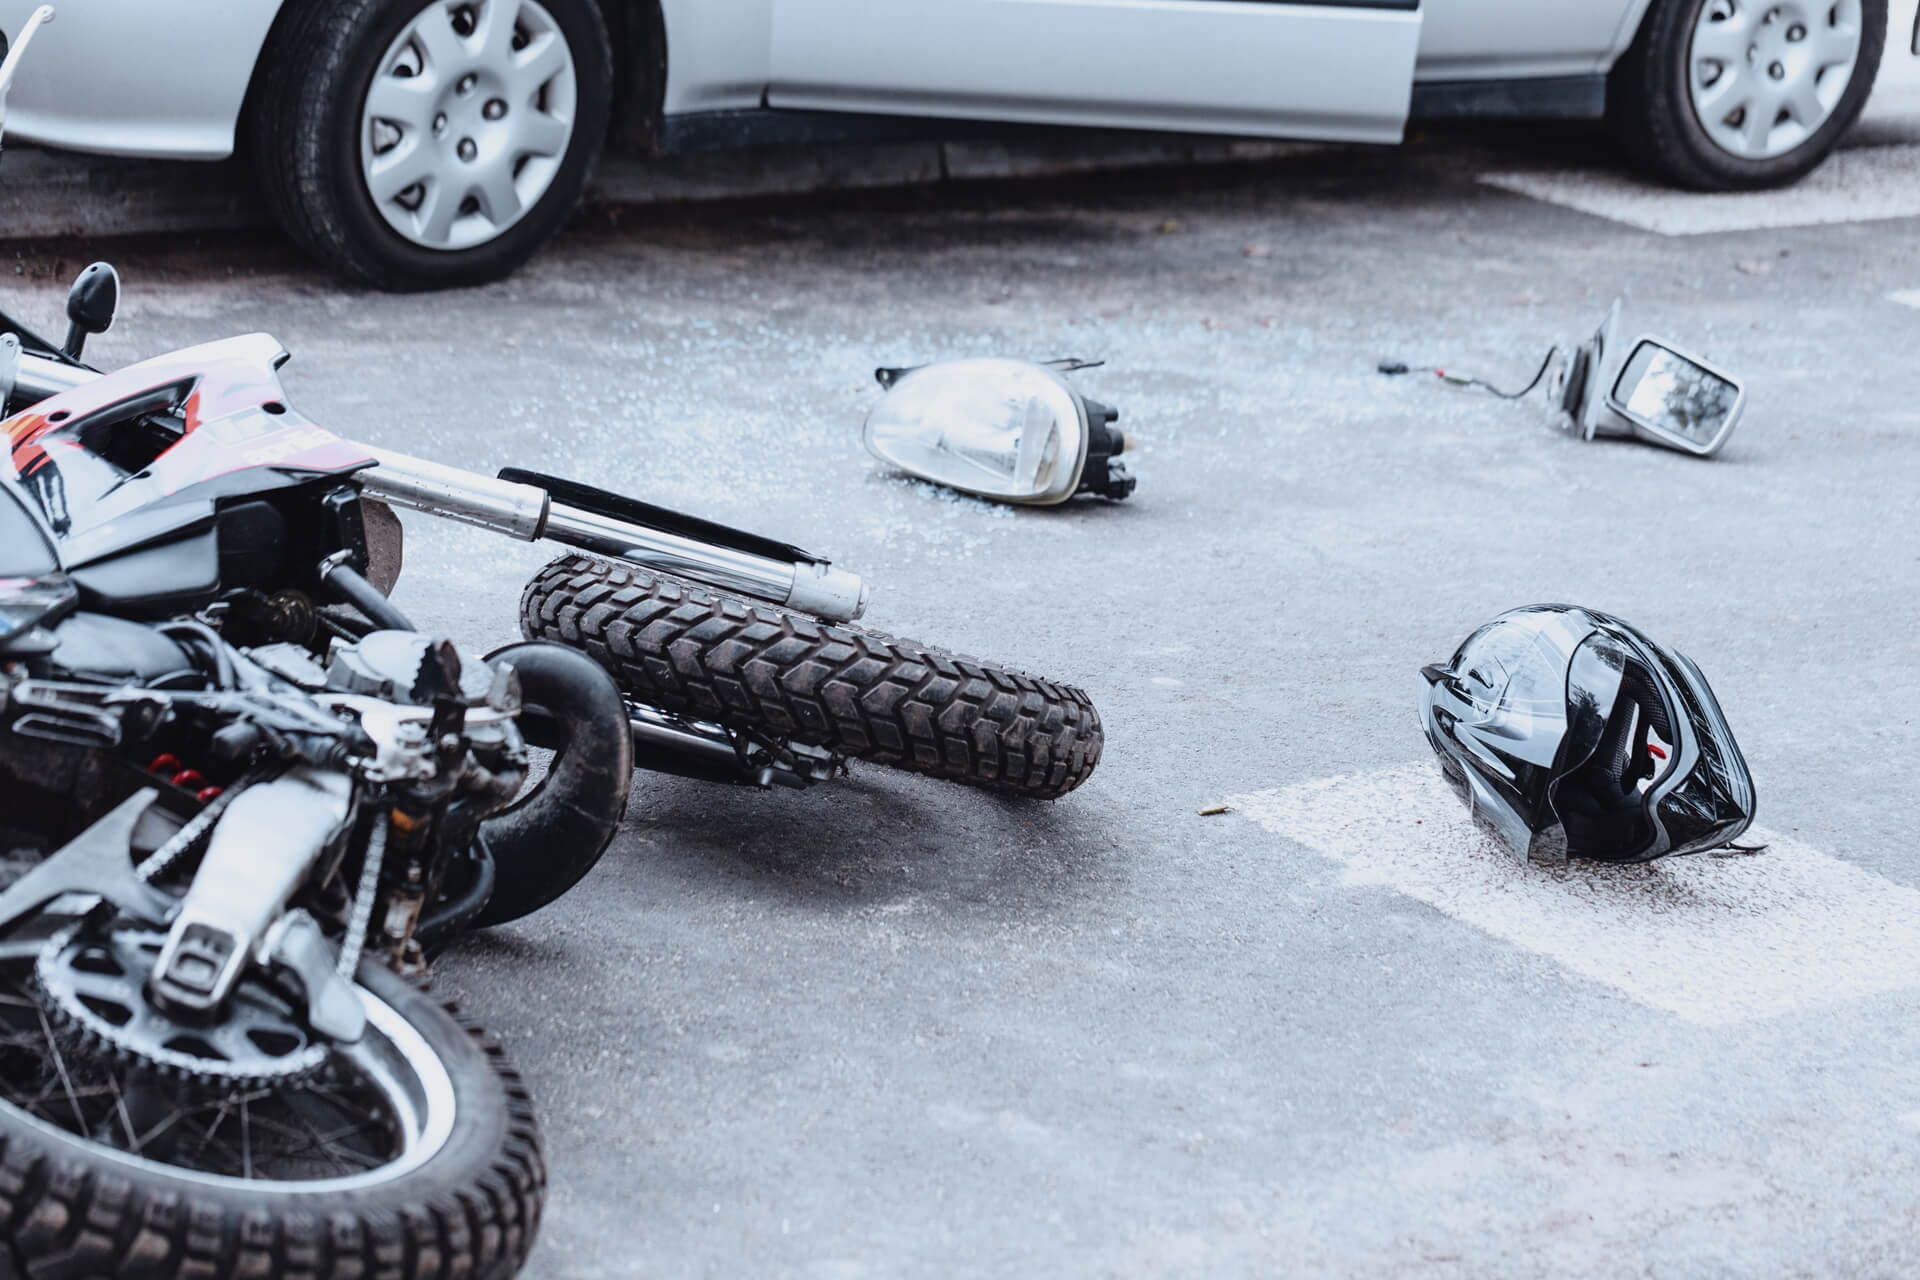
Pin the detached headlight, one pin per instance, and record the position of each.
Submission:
(1003, 429)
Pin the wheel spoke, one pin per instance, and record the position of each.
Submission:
(492, 38)
(498, 198)
(60, 1065)
(441, 47)
(1723, 97)
(1761, 113)
(412, 161)
(438, 209)
(126, 1121)
(1724, 42)
(540, 134)
(536, 64)
(1833, 46)
(406, 100)
(1803, 104)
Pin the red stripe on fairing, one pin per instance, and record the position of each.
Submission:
(226, 378)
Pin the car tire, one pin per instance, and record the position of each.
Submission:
(1683, 113)
(502, 155)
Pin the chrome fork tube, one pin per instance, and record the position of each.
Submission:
(528, 513)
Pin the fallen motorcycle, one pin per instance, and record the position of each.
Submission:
(736, 652)
(212, 1059)
(244, 797)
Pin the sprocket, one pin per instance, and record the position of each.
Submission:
(92, 979)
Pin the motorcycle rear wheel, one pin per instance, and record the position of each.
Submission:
(454, 1186)
(701, 653)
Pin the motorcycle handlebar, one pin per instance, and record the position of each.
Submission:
(43, 376)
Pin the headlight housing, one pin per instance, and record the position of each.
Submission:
(1003, 429)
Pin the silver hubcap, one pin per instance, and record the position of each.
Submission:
(1765, 75)
(467, 120)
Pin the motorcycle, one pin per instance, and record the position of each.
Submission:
(243, 798)
(233, 824)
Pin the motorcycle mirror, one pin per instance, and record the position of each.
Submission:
(9, 367)
(1648, 389)
(1010, 430)
(90, 305)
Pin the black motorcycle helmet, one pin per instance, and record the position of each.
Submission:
(1568, 733)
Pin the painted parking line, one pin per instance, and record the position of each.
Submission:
(1860, 185)
(1715, 940)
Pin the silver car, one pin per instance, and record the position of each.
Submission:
(420, 143)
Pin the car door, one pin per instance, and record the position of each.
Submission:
(1340, 69)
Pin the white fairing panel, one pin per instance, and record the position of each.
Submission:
(136, 77)
(1304, 70)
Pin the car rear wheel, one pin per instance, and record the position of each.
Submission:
(1730, 95)
(420, 145)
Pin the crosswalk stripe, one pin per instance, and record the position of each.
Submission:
(1861, 185)
(1713, 939)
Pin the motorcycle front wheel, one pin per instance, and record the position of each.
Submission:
(411, 1154)
(701, 653)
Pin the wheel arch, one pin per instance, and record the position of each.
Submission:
(1631, 20)
(639, 31)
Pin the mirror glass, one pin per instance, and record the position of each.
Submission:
(1664, 390)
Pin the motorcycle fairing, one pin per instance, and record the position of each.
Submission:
(237, 436)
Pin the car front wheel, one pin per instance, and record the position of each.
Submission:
(1730, 95)
(422, 146)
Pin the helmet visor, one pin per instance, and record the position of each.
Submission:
(1619, 743)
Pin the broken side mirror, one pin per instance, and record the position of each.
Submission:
(1675, 399)
(1649, 389)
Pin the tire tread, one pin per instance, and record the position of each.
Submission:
(67, 1216)
(696, 652)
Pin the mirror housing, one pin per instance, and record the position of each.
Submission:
(1589, 391)
(1676, 399)
(90, 306)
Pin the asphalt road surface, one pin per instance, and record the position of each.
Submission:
(888, 1027)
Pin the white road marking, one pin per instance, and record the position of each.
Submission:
(1860, 185)
(1905, 297)
(1715, 940)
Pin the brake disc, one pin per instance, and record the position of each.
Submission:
(92, 981)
